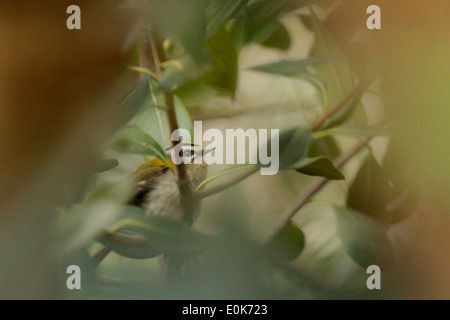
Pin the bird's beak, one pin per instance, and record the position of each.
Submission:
(206, 151)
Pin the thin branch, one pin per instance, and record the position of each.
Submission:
(317, 185)
(319, 122)
(221, 187)
(100, 255)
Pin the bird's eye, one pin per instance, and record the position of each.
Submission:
(188, 153)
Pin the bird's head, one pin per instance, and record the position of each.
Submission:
(188, 152)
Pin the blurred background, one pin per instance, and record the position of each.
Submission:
(66, 96)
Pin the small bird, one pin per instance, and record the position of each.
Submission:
(156, 188)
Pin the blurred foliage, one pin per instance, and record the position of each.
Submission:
(196, 47)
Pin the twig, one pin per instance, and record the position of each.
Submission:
(319, 122)
(101, 254)
(221, 187)
(317, 185)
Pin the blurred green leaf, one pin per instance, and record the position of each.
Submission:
(263, 18)
(165, 235)
(181, 72)
(135, 141)
(133, 103)
(105, 165)
(183, 21)
(364, 240)
(84, 223)
(289, 244)
(128, 251)
(224, 73)
(290, 68)
(154, 121)
(319, 166)
(294, 144)
(337, 71)
(352, 101)
(370, 192)
(324, 147)
(280, 38)
(219, 11)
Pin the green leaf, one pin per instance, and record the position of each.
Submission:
(166, 235)
(130, 252)
(221, 174)
(105, 165)
(337, 71)
(289, 244)
(290, 68)
(263, 19)
(364, 239)
(351, 102)
(321, 167)
(82, 223)
(183, 71)
(224, 54)
(133, 103)
(370, 192)
(293, 145)
(135, 141)
(154, 121)
(183, 21)
(219, 11)
(324, 147)
(280, 38)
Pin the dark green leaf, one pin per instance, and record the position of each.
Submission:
(279, 39)
(219, 11)
(290, 68)
(130, 252)
(135, 141)
(289, 244)
(320, 166)
(294, 145)
(263, 19)
(166, 235)
(370, 192)
(325, 146)
(224, 73)
(364, 240)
